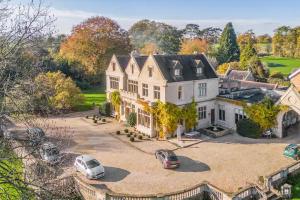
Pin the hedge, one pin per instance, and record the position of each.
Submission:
(105, 109)
(248, 128)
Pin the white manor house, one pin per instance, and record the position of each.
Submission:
(179, 79)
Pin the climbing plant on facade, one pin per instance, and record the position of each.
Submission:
(189, 115)
(116, 100)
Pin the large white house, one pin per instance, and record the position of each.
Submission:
(179, 79)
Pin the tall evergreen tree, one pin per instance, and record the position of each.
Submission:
(228, 50)
(247, 52)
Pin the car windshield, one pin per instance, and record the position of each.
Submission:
(52, 152)
(92, 163)
(172, 158)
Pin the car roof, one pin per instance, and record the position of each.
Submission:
(86, 158)
(169, 152)
(48, 145)
(292, 146)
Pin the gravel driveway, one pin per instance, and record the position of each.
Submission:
(229, 162)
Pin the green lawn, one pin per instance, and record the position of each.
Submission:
(12, 167)
(92, 96)
(284, 65)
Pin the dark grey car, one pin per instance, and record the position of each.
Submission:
(167, 158)
(35, 135)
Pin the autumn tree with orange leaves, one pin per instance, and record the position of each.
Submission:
(92, 44)
(189, 46)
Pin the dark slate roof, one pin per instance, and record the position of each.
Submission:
(123, 61)
(166, 64)
(141, 61)
(237, 74)
(254, 84)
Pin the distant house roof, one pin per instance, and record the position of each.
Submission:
(254, 84)
(123, 61)
(189, 64)
(239, 75)
(294, 73)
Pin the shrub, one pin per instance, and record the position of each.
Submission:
(126, 130)
(134, 135)
(128, 135)
(118, 132)
(103, 120)
(94, 116)
(131, 133)
(132, 119)
(95, 121)
(131, 139)
(87, 116)
(275, 74)
(140, 137)
(248, 128)
(105, 109)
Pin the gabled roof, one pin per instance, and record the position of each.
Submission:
(123, 61)
(140, 60)
(254, 84)
(166, 63)
(237, 74)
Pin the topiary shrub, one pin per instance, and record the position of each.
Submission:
(118, 132)
(131, 121)
(134, 135)
(95, 121)
(87, 116)
(105, 109)
(131, 139)
(140, 137)
(248, 128)
(126, 130)
(103, 120)
(128, 135)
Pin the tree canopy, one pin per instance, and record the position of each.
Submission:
(93, 42)
(228, 50)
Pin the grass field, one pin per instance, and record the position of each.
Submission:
(93, 96)
(284, 65)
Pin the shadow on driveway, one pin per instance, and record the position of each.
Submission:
(190, 165)
(114, 174)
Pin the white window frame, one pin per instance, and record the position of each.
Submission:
(145, 90)
(202, 111)
(156, 92)
(222, 112)
(202, 89)
(114, 83)
(177, 72)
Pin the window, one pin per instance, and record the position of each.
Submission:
(238, 114)
(150, 70)
(222, 112)
(179, 92)
(202, 112)
(132, 68)
(177, 72)
(143, 118)
(114, 83)
(132, 86)
(145, 90)
(156, 90)
(114, 66)
(202, 89)
(199, 70)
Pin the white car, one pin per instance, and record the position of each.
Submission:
(89, 166)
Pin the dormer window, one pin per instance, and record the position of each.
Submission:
(199, 70)
(177, 72)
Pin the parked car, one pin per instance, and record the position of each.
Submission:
(35, 135)
(292, 151)
(50, 153)
(89, 167)
(167, 158)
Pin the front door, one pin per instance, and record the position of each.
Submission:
(212, 116)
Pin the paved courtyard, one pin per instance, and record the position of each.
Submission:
(229, 162)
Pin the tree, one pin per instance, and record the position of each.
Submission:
(264, 113)
(191, 31)
(93, 42)
(63, 94)
(248, 51)
(264, 39)
(149, 48)
(225, 66)
(257, 68)
(228, 50)
(165, 37)
(190, 46)
(246, 38)
(210, 34)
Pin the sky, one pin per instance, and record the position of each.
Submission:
(262, 16)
